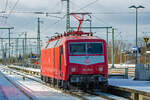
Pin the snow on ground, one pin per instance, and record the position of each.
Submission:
(40, 92)
(2, 96)
(9, 91)
(26, 68)
(132, 84)
(94, 98)
(122, 65)
(109, 66)
(112, 96)
(37, 90)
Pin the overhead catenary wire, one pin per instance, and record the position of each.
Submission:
(93, 14)
(4, 10)
(10, 12)
(76, 10)
(117, 13)
(87, 5)
(61, 18)
(13, 8)
(56, 5)
(55, 23)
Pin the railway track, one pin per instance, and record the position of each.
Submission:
(120, 91)
(18, 87)
(81, 95)
(24, 77)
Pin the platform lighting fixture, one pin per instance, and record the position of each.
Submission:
(136, 8)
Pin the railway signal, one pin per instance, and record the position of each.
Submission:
(146, 40)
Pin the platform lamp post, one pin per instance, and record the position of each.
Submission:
(136, 8)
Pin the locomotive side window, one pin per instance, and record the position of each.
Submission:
(52, 44)
(77, 48)
(58, 42)
(45, 46)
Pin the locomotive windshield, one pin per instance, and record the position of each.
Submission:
(77, 48)
(86, 48)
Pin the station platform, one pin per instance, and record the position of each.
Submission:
(131, 84)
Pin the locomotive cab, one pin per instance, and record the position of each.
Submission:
(87, 62)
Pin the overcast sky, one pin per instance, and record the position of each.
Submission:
(113, 13)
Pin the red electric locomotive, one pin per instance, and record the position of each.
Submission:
(75, 59)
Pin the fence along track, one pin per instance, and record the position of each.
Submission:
(121, 71)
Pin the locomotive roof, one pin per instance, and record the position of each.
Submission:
(61, 40)
(80, 37)
(66, 38)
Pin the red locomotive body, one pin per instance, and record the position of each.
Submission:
(75, 60)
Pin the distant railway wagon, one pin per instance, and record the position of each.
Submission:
(75, 59)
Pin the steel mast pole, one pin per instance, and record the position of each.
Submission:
(136, 35)
(8, 36)
(107, 35)
(2, 48)
(38, 39)
(68, 17)
(9, 42)
(17, 50)
(107, 43)
(112, 47)
(5, 53)
(25, 49)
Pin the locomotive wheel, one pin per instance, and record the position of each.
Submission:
(54, 82)
(59, 83)
(46, 79)
(66, 85)
(104, 87)
(42, 77)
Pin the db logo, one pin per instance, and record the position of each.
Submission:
(87, 61)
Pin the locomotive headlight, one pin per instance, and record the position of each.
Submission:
(74, 79)
(73, 69)
(100, 69)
